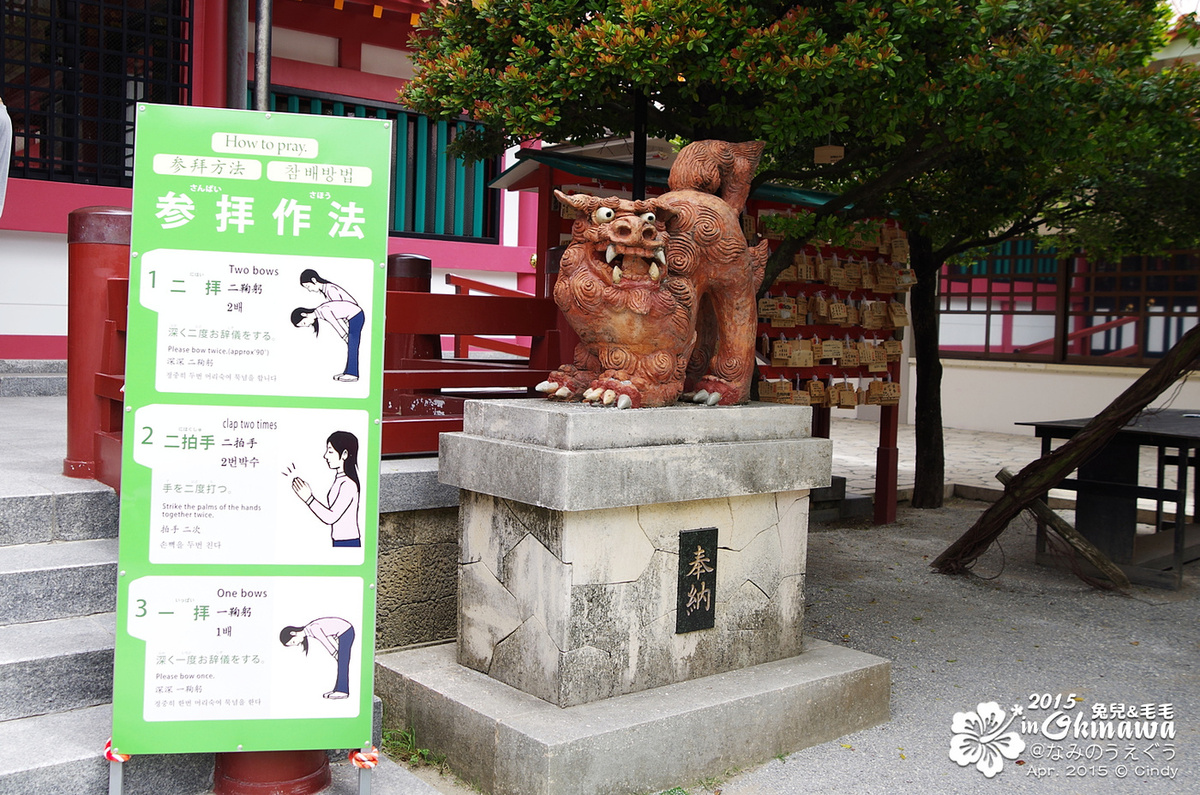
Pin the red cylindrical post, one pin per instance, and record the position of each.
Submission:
(409, 273)
(271, 773)
(97, 250)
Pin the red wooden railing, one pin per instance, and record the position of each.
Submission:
(464, 344)
(435, 389)
(1081, 333)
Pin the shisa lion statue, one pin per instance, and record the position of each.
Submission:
(661, 291)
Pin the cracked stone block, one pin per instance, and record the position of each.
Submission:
(600, 638)
(662, 522)
(487, 614)
(788, 615)
(541, 584)
(588, 674)
(606, 546)
(475, 534)
(762, 561)
(491, 528)
(750, 516)
(793, 530)
(542, 523)
(570, 568)
(750, 610)
(528, 659)
(601, 613)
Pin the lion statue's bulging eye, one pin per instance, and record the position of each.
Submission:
(604, 214)
(649, 217)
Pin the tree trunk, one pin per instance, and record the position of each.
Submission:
(1048, 471)
(780, 258)
(929, 485)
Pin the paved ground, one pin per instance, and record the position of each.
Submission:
(972, 457)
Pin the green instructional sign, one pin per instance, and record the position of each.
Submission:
(249, 504)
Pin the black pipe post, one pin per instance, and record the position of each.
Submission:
(639, 144)
(262, 55)
(237, 34)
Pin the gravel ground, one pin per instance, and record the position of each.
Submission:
(1008, 634)
(955, 642)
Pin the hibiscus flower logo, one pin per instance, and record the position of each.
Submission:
(981, 738)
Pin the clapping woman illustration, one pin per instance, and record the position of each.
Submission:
(340, 511)
(336, 635)
(339, 311)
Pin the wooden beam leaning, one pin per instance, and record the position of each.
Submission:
(1067, 533)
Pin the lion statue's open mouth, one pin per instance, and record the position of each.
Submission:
(630, 244)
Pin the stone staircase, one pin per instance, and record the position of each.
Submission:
(32, 377)
(58, 565)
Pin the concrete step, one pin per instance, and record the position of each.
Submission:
(57, 366)
(41, 582)
(63, 754)
(857, 506)
(854, 508)
(58, 665)
(89, 510)
(833, 493)
(32, 384)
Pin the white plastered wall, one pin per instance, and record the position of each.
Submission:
(992, 396)
(33, 270)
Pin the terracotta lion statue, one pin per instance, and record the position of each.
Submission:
(661, 291)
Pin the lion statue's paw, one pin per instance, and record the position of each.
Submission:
(566, 383)
(612, 391)
(712, 391)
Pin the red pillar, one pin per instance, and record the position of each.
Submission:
(97, 250)
(271, 773)
(887, 465)
(547, 227)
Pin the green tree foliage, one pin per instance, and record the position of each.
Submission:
(907, 86)
(971, 122)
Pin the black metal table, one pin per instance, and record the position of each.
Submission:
(1107, 491)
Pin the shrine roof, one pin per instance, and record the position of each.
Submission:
(526, 175)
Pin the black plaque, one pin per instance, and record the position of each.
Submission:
(697, 603)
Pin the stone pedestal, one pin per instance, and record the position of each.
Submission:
(571, 518)
(570, 583)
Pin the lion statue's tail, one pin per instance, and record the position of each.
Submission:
(717, 167)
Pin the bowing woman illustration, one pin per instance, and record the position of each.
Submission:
(339, 311)
(336, 635)
(340, 511)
